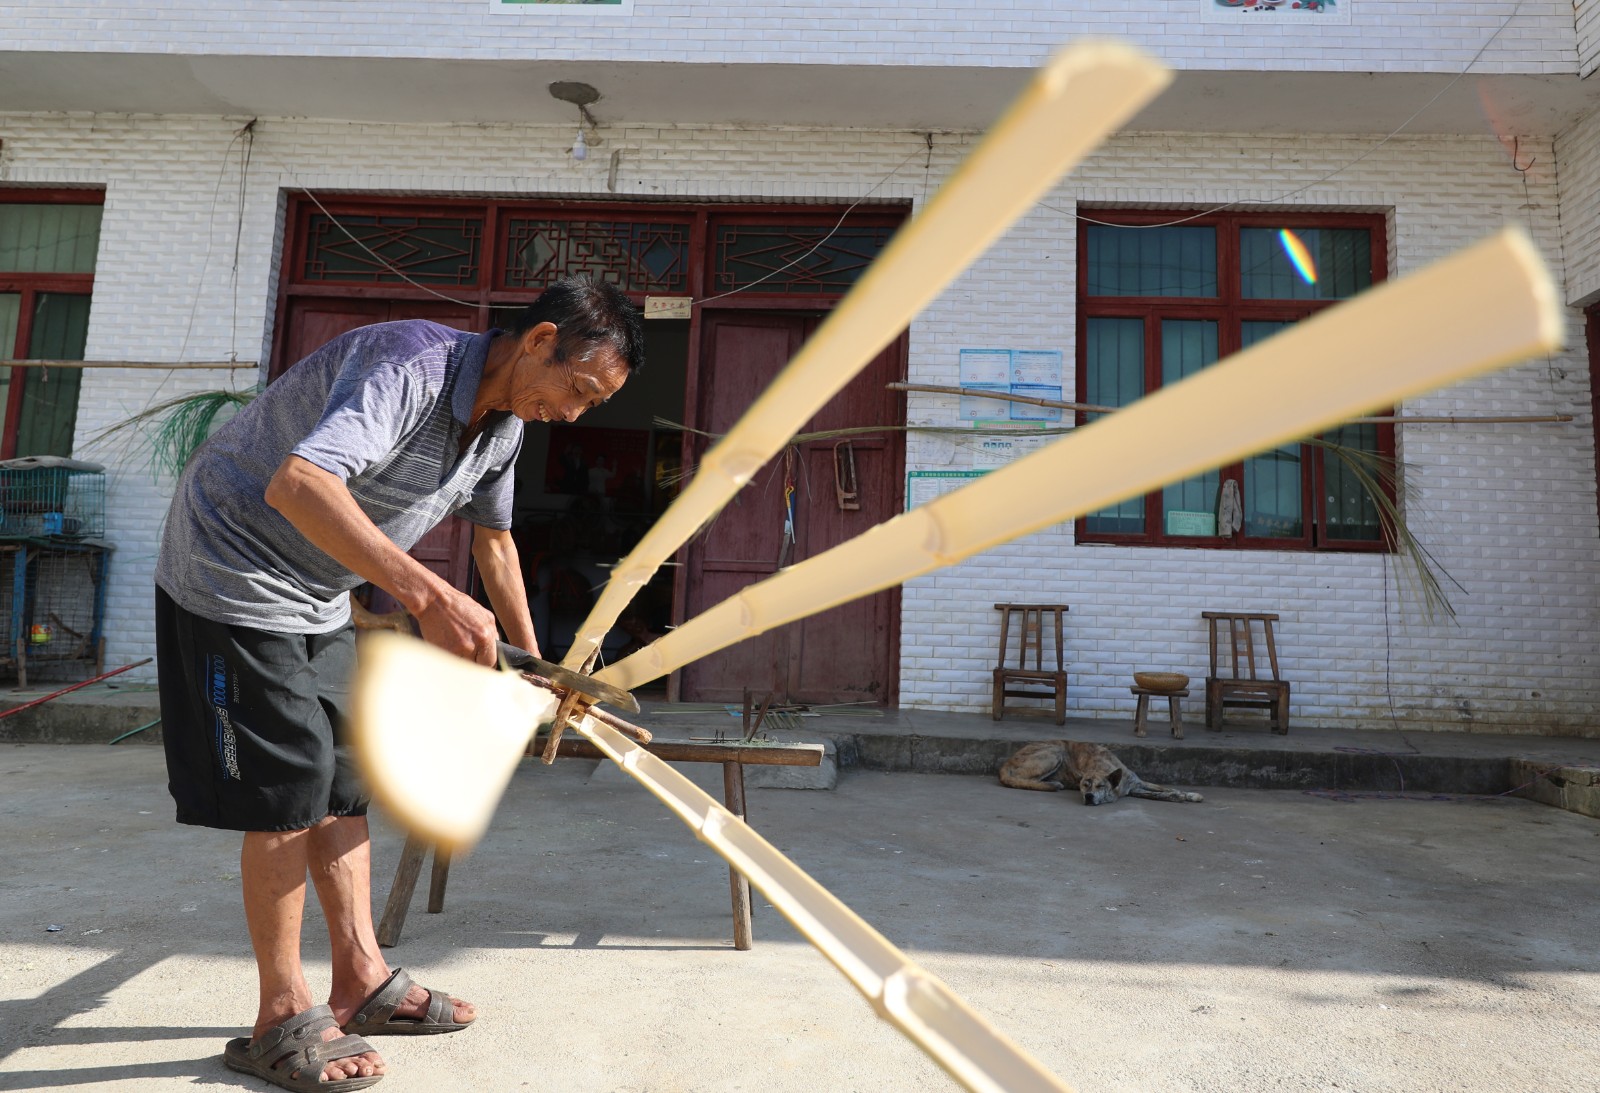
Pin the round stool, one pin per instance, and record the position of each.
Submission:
(1142, 713)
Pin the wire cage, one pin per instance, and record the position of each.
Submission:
(49, 497)
(52, 621)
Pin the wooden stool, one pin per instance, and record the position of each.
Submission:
(1141, 714)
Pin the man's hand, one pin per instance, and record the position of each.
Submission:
(459, 624)
(319, 505)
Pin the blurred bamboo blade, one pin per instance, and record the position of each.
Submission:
(1488, 306)
(1080, 97)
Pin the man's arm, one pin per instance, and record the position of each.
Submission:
(501, 572)
(320, 507)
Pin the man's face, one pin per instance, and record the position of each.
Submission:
(547, 389)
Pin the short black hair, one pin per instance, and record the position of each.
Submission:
(587, 313)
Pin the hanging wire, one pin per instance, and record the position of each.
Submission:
(831, 232)
(1476, 57)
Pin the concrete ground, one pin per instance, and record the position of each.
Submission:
(1261, 940)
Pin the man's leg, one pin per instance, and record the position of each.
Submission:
(273, 869)
(340, 857)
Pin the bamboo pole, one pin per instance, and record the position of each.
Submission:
(1074, 102)
(1401, 419)
(1488, 306)
(438, 738)
(178, 366)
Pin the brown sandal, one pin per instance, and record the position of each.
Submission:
(297, 1046)
(376, 1014)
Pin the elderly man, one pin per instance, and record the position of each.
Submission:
(322, 483)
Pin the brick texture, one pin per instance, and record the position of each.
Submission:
(1508, 510)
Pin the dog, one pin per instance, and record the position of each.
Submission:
(1101, 776)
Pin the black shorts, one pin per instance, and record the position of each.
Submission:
(253, 723)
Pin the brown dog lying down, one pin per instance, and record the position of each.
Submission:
(1100, 775)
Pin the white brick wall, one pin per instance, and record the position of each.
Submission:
(1508, 510)
(1578, 152)
(1382, 36)
(1587, 23)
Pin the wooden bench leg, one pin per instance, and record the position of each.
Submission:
(1174, 717)
(405, 882)
(733, 797)
(436, 882)
(1141, 711)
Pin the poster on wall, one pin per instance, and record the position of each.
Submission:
(524, 7)
(1265, 13)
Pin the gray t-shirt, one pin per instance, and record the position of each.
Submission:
(382, 407)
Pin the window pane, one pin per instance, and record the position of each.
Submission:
(1273, 506)
(50, 396)
(1189, 507)
(49, 238)
(638, 256)
(1304, 263)
(390, 250)
(1114, 376)
(10, 312)
(1178, 261)
(1352, 513)
(803, 259)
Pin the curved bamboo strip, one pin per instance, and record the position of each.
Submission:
(1072, 104)
(439, 737)
(1488, 306)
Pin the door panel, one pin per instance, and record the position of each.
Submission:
(845, 654)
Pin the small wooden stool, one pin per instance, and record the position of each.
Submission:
(1142, 714)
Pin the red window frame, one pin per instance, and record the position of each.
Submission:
(1229, 309)
(29, 286)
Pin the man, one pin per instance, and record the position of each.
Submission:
(322, 483)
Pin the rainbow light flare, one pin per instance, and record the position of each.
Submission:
(1299, 254)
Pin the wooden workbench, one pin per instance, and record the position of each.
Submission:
(734, 757)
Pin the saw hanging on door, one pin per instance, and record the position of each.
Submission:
(1487, 307)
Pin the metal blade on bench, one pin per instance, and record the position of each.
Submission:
(438, 739)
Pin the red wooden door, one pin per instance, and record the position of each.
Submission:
(313, 322)
(850, 653)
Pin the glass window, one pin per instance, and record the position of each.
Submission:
(1172, 261)
(48, 242)
(1304, 263)
(638, 256)
(807, 259)
(1242, 278)
(1114, 351)
(49, 238)
(50, 396)
(1189, 508)
(428, 250)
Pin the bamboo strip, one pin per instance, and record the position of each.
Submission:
(1073, 103)
(1487, 306)
(442, 783)
(1090, 408)
(916, 1002)
(1030, 400)
(174, 367)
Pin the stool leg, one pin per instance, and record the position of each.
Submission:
(438, 880)
(405, 882)
(738, 886)
(1139, 714)
(1173, 716)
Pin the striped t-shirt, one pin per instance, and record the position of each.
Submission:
(382, 407)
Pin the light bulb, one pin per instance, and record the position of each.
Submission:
(580, 150)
